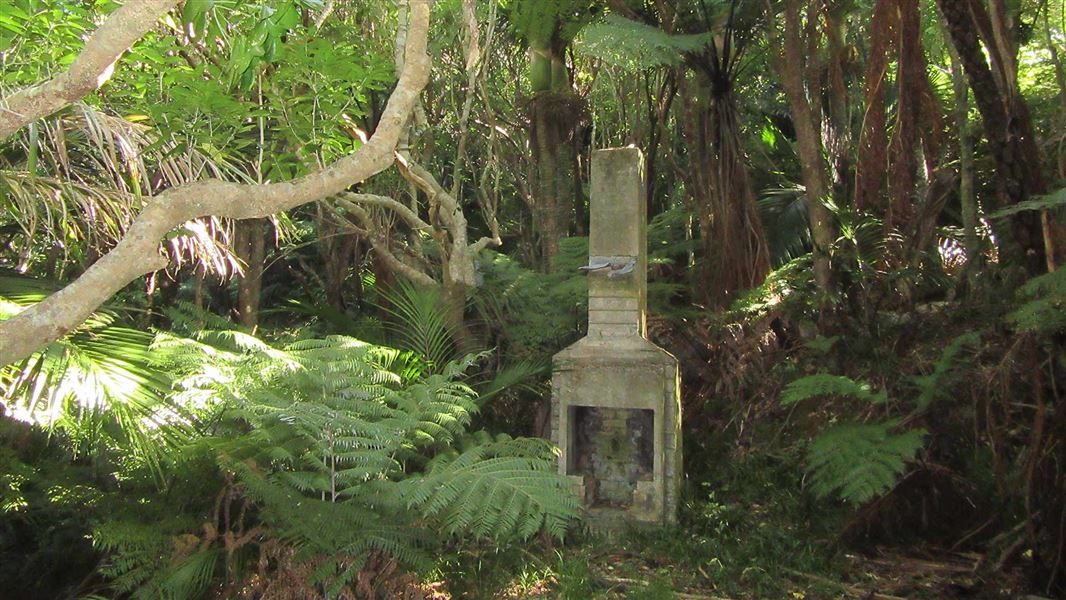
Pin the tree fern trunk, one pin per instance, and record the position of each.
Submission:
(554, 118)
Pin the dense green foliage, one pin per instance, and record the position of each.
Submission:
(347, 399)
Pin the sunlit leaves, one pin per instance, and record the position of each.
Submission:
(99, 385)
(627, 43)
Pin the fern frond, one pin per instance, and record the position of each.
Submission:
(1052, 201)
(823, 384)
(1044, 304)
(932, 386)
(505, 489)
(860, 461)
(623, 42)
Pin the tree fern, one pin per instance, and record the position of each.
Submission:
(506, 488)
(1052, 201)
(860, 461)
(1043, 304)
(854, 461)
(344, 453)
(621, 41)
(823, 384)
(543, 22)
(933, 386)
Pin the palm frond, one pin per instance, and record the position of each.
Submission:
(101, 373)
(419, 322)
(90, 176)
(784, 215)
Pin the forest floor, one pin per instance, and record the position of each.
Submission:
(746, 533)
(628, 569)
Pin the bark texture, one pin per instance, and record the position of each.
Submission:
(138, 251)
(735, 253)
(555, 116)
(251, 247)
(1007, 124)
(790, 65)
(91, 69)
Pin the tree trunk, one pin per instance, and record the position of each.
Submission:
(337, 249)
(735, 253)
(1056, 61)
(873, 138)
(790, 62)
(578, 182)
(251, 249)
(904, 144)
(837, 134)
(555, 116)
(967, 199)
(1007, 126)
(555, 113)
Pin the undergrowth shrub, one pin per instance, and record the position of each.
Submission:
(860, 459)
(342, 471)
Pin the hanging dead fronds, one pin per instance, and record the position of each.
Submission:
(87, 175)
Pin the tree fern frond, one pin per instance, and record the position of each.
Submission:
(860, 461)
(623, 42)
(342, 456)
(490, 489)
(932, 386)
(823, 384)
(1052, 201)
(1043, 309)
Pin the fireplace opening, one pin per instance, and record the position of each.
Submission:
(613, 449)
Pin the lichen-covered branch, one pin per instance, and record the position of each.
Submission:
(349, 200)
(377, 240)
(137, 253)
(91, 69)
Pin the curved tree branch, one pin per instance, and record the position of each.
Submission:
(378, 241)
(137, 253)
(351, 199)
(93, 66)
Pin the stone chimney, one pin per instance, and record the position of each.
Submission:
(616, 405)
(618, 238)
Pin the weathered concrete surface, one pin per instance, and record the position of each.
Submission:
(618, 233)
(616, 368)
